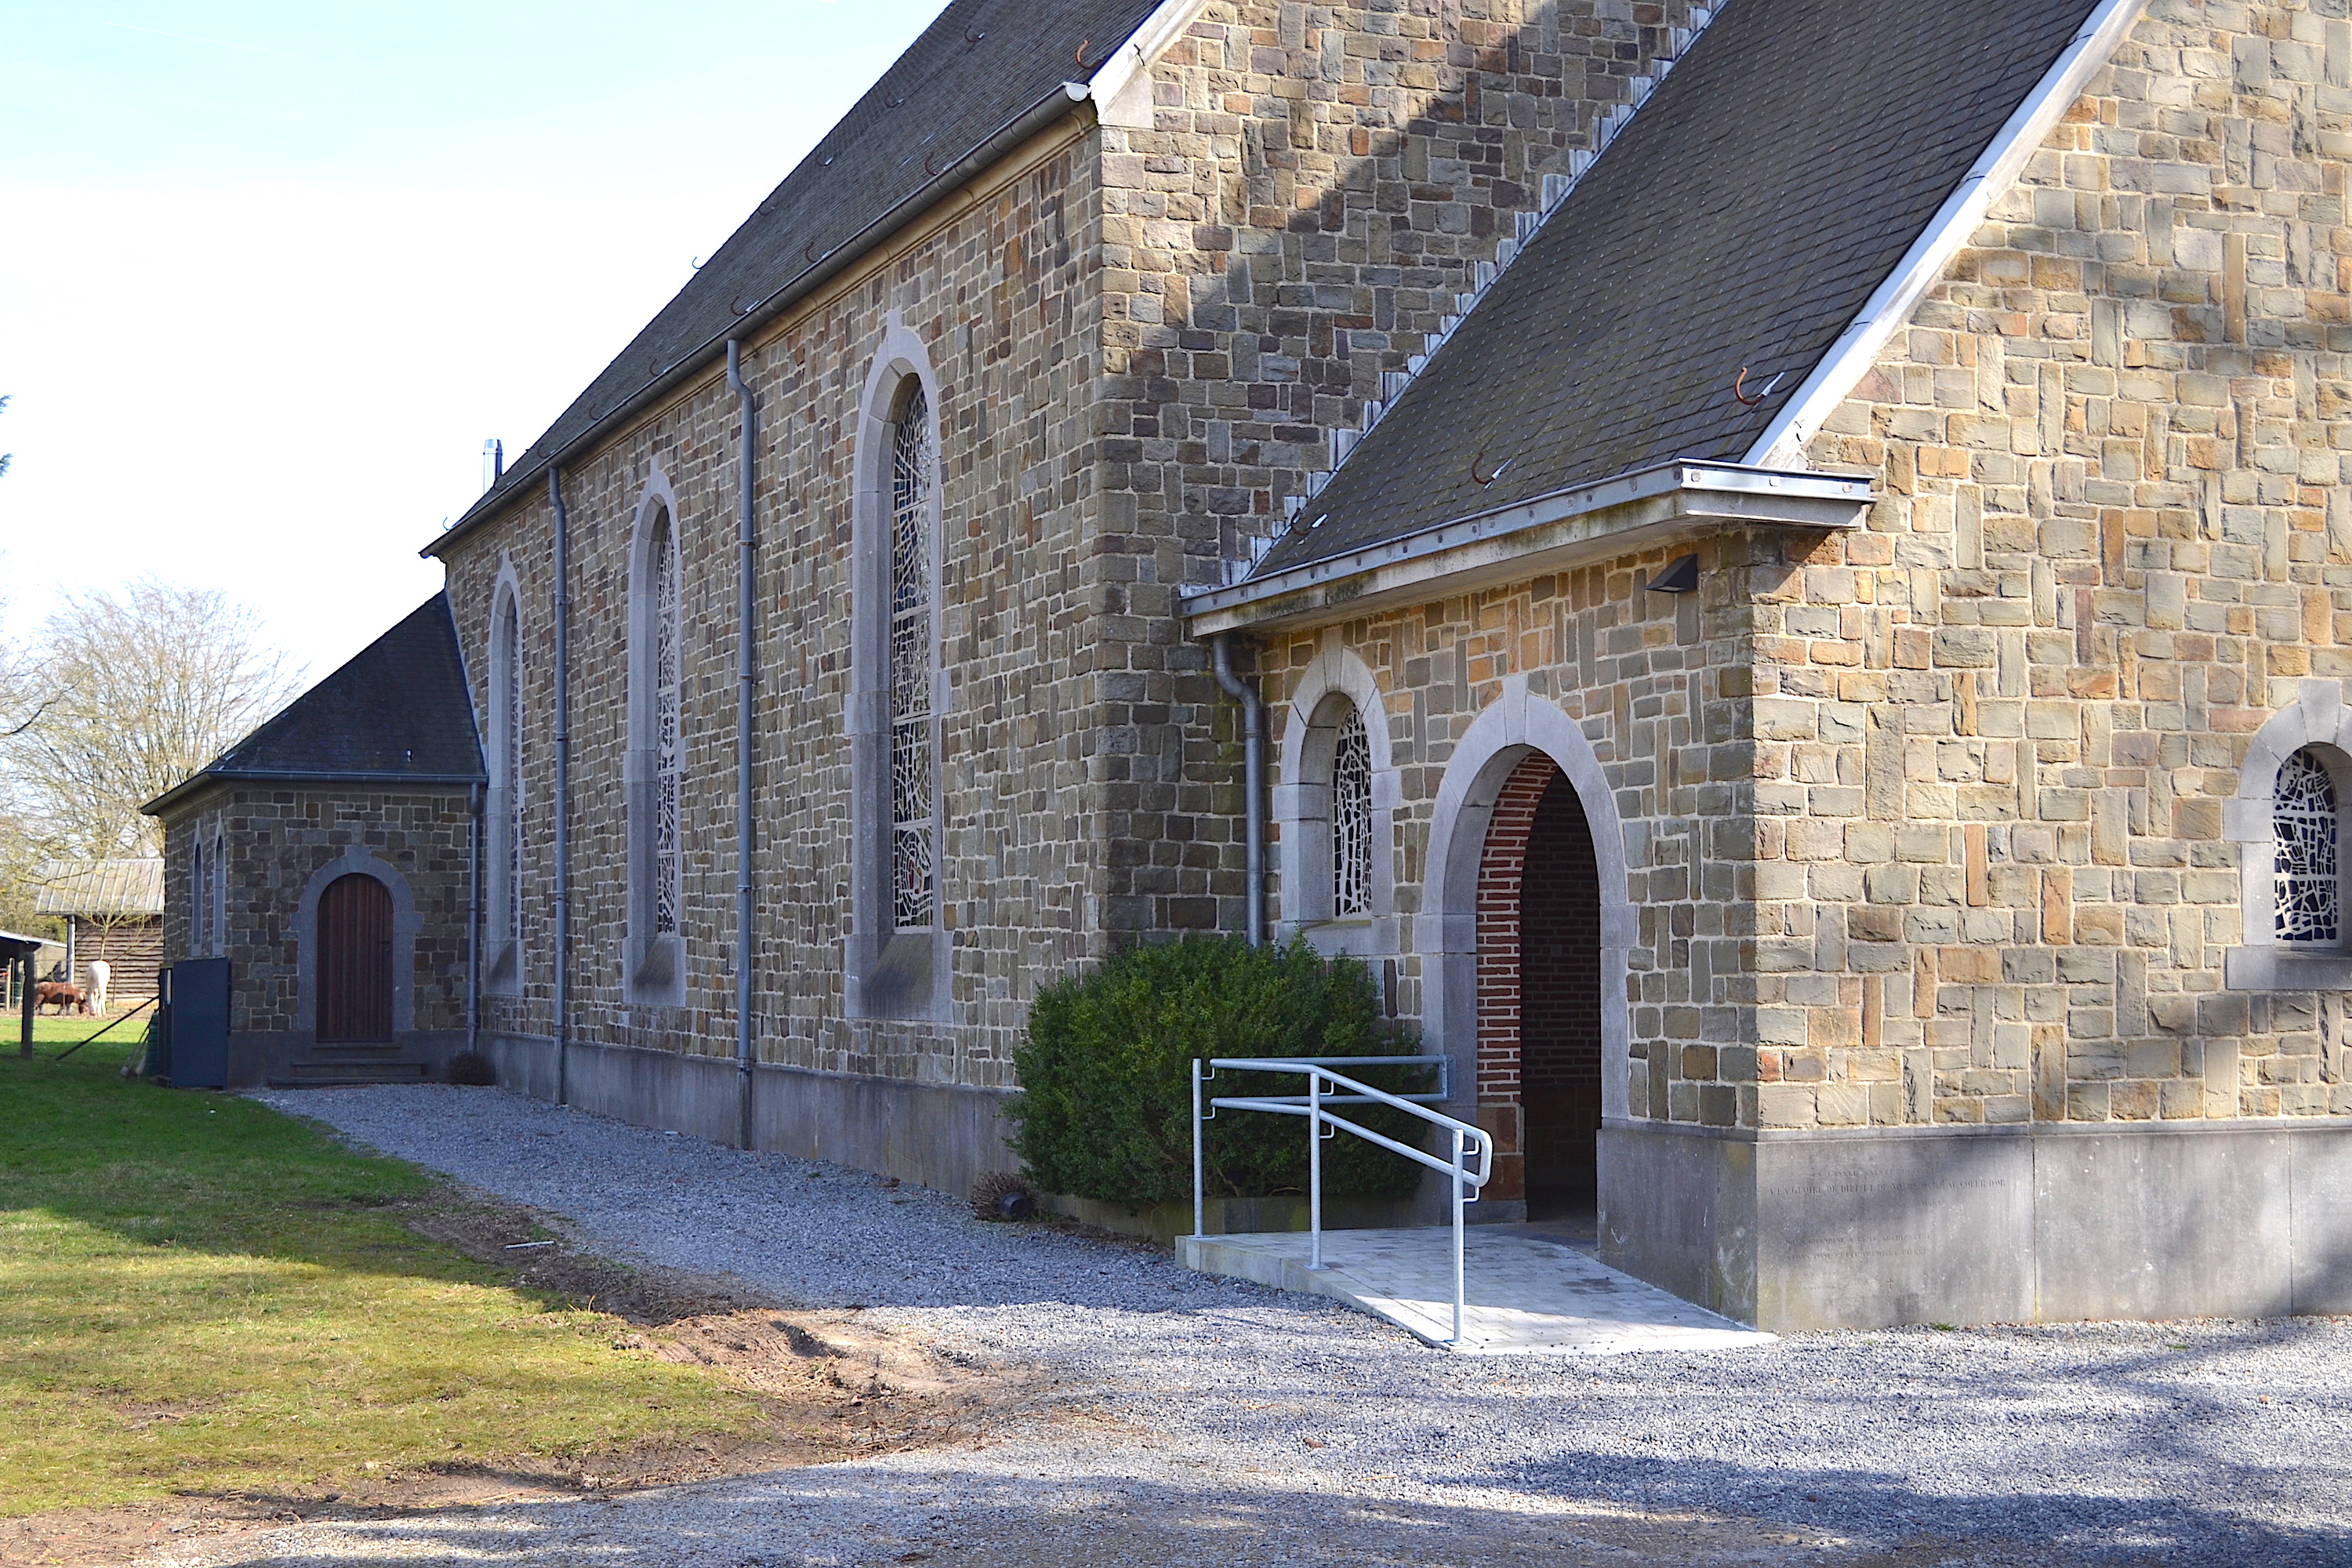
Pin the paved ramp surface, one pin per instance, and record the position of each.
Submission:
(1528, 1292)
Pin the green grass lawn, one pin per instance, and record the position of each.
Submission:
(199, 1295)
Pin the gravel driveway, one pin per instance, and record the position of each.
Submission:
(1199, 1421)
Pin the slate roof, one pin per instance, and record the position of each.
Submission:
(1742, 217)
(975, 69)
(398, 710)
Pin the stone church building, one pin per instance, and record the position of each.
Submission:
(1775, 568)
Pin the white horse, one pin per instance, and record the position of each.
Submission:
(100, 973)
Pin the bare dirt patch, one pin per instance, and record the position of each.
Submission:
(831, 1387)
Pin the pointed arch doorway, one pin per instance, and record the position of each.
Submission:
(1540, 960)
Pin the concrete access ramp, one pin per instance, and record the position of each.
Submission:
(1528, 1292)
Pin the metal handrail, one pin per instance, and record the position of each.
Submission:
(1322, 1124)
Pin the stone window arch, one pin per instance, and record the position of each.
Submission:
(654, 767)
(897, 958)
(406, 924)
(2289, 821)
(503, 801)
(1335, 810)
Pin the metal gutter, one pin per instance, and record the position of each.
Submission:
(1947, 234)
(745, 749)
(561, 986)
(1252, 782)
(987, 152)
(172, 796)
(1567, 528)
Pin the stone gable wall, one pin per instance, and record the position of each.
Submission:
(276, 840)
(1927, 826)
(1994, 732)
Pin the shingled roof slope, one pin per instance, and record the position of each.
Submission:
(974, 69)
(399, 709)
(1742, 218)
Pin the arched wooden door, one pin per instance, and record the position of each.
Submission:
(355, 960)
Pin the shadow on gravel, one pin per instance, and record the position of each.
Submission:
(839, 1516)
(2158, 1433)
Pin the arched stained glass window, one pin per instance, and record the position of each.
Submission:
(509, 783)
(668, 751)
(2308, 901)
(913, 830)
(1351, 818)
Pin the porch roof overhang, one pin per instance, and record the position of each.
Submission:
(1580, 526)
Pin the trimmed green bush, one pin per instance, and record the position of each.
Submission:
(1106, 1105)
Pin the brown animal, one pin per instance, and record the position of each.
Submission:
(58, 994)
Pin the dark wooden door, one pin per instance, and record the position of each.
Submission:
(355, 960)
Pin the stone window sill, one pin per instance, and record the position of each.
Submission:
(2286, 969)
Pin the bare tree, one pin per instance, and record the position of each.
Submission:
(141, 689)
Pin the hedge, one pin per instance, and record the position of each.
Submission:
(1105, 1108)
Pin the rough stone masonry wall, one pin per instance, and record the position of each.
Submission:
(1001, 290)
(1995, 730)
(1657, 683)
(1319, 183)
(276, 840)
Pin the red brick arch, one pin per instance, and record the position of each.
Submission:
(1538, 981)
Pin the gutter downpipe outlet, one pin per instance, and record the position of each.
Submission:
(747, 682)
(562, 786)
(1253, 779)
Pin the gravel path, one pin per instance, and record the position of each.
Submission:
(1194, 1420)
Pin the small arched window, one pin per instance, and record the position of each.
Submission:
(1351, 818)
(2307, 905)
(913, 813)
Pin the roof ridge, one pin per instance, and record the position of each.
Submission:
(1556, 189)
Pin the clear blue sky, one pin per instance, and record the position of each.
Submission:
(270, 272)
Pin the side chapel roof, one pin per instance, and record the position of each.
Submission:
(1742, 218)
(398, 713)
(978, 70)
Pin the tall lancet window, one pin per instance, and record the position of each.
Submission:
(1351, 818)
(666, 749)
(2309, 898)
(200, 899)
(506, 818)
(914, 840)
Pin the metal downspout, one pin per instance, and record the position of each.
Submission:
(747, 680)
(1253, 778)
(563, 788)
(474, 917)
